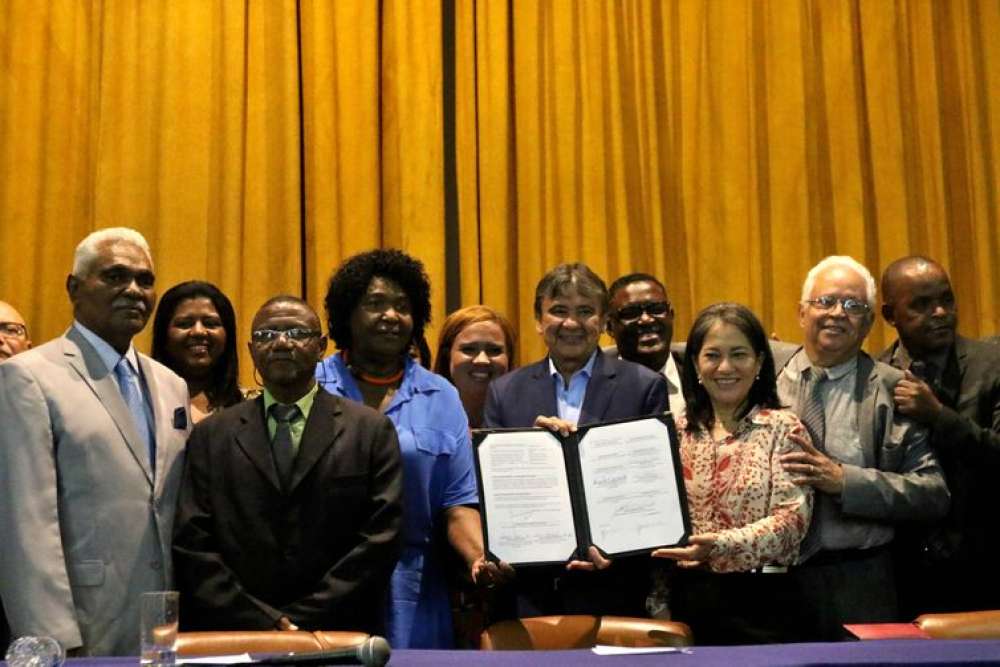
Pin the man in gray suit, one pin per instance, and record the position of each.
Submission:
(871, 467)
(90, 460)
(13, 340)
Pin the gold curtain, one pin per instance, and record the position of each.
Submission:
(724, 146)
(728, 146)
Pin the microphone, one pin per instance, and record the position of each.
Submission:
(372, 652)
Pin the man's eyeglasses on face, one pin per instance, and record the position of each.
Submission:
(298, 335)
(13, 330)
(851, 306)
(635, 310)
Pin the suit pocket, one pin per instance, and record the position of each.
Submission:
(86, 573)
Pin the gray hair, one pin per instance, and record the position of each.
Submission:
(845, 262)
(88, 249)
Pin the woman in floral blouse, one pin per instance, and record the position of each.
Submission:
(748, 517)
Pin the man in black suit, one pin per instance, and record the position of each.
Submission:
(290, 508)
(952, 385)
(576, 384)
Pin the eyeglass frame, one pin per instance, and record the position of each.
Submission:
(847, 303)
(301, 335)
(643, 308)
(22, 335)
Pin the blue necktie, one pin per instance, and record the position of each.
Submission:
(128, 384)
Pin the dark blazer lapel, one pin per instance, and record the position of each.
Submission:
(866, 391)
(252, 438)
(87, 363)
(323, 428)
(600, 389)
(953, 374)
(540, 394)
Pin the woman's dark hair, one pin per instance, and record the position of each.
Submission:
(223, 388)
(763, 392)
(350, 282)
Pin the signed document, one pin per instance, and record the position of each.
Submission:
(546, 499)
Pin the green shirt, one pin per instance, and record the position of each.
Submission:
(297, 425)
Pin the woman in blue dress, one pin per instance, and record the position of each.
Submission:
(378, 302)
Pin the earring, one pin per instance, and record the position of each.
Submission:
(699, 380)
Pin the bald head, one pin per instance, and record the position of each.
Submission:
(902, 269)
(13, 332)
(920, 304)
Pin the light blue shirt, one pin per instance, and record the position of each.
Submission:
(569, 399)
(110, 357)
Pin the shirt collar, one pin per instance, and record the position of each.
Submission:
(109, 356)
(901, 358)
(305, 403)
(801, 361)
(587, 370)
(416, 379)
(670, 372)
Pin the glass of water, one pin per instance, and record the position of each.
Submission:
(158, 627)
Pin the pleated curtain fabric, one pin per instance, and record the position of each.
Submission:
(722, 146)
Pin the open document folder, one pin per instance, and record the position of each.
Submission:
(545, 498)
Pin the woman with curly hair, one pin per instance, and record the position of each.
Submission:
(377, 304)
(194, 334)
(748, 515)
(476, 345)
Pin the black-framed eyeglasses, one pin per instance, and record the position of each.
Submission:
(634, 311)
(851, 306)
(296, 334)
(13, 330)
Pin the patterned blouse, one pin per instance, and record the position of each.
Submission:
(738, 489)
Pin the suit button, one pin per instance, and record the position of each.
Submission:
(289, 554)
(156, 565)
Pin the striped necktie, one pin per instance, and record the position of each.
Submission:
(811, 410)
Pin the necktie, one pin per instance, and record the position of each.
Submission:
(927, 372)
(812, 413)
(128, 385)
(281, 447)
(813, 417)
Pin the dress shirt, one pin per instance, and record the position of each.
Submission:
(297, 425)
(674, 392)
(569, 399)
(843, 444)
(110, 358)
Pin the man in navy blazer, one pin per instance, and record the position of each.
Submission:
(576, 384)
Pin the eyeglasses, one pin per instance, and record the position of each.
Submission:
(13, 330)
(635, 310)
(851, 306)
(297, 334)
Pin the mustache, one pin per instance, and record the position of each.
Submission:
(129, 303)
